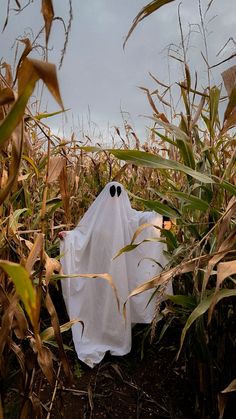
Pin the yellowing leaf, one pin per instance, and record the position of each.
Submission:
(49, 333)
(24, 287)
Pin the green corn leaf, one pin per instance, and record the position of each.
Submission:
(24, 287)
(214, 105)
(185, 301)
(202, 308)
(141, 158)
(32, 163)
(17, 111)
(133, 246)
(14, 218)
(157, 206)
(193, 201)
(48, 115)
(171, 240)
(228, 187)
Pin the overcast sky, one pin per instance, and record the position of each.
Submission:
(98, 79)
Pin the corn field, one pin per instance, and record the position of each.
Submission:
(185, 171)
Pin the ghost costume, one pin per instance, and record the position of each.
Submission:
(107, 226)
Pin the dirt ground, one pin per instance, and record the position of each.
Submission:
(147, 383)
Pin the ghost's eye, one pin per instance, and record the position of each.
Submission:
(112, 190)
(118, 190)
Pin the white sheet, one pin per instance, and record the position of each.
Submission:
(107, 226)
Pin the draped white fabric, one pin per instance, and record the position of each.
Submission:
(107, 226)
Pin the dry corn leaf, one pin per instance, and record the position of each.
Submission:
(224, 270)
(226, 246)
(6, 324)
(65, 194)
(225, 222)
(19, 354)
(17, 145)
(56, 165)
(45, 360)
(51, 265)
(6, 96)
(230, 387)
(146, 11)
(20, 324)
(34, 252)
(49, 333)
(47, 72)
(8, 73)
(105, 276)
(223, 396)
(165, 276)
(48, 15)
(229, 78)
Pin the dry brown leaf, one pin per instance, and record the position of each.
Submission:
(17, 144)
(6, 323)
(25, 409)
(48, 15)
(222, 397)
(34, 252)
(163, 277)
(225, 222)
(140, 229)
(198, 111)
(23, 76)
(45, 360)
(229, 78)
(51, 265)
(230, 387)
(227, 245)
(8, 73)
(49, 334)
(65, 194)
(20, 324)
(47, 72)
(56, 165)
(150, 100)
(6, 96)
(225, 269)
(108, 278)
(19, 354)
(32, 70)
(4, 178)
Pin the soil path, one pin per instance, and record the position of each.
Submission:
(147, 383)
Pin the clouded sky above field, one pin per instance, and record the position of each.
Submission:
(98, 79)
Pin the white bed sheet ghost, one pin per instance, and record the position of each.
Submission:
(107, 226)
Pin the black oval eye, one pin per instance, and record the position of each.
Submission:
(118, 190)
(112, 190)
